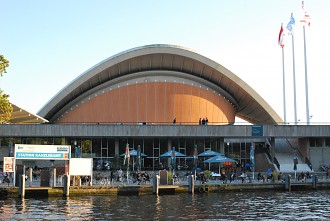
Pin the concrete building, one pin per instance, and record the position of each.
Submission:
(133, 97)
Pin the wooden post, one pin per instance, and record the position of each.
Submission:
(54, 177)
(155, 187)
(191, 187)
(288, 182)
(21, 186)
(31, 175)
(314, 181)
(66, 185)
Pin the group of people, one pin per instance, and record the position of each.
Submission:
(303, 176)
(203, 121)
(271, 176)
(141, 177)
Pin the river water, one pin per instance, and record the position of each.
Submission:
(269, 205)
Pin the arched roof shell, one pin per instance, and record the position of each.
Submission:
(249, 105)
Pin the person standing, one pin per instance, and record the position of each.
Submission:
(174, 120)
(111, 177)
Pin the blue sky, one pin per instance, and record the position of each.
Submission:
(50, 43)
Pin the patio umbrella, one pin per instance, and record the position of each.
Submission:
(173, 154)
(133, 154)
(176, 154)
(219, 159)
(209, 153)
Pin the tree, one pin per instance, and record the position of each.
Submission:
(4, 63)
(5, 107)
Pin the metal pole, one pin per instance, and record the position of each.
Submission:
(294, 83)
(306, 80)
(284, 102)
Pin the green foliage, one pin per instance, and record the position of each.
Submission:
(169, 177)
(5, 108)
(207, 174)
(4, 63)
(274, 176)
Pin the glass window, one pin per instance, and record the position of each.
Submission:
(327, 142)
(319, 142)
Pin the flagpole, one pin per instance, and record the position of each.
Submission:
(294, 82)
(284, 102)
(306, 79)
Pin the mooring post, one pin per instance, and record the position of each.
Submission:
(155, 187)
(191, 186)
(314, 181)
(288, 182)
(66, 185)
(21, 186)
(31, 175)
(54, 177)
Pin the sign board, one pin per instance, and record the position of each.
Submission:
(81, 167)
(257, 130)
(42, 152)
(8, 164)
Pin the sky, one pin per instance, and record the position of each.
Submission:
(50, 43)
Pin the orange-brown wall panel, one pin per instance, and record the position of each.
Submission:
(178, 103)
(169, 103)
(152, 102)
(160, 102)
(131, 116)
(115, 105)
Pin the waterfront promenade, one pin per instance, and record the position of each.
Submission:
(105, 187)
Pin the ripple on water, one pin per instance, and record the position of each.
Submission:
(312, 205)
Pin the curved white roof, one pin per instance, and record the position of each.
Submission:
(249, 105)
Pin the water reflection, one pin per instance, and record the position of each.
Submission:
(224, 206)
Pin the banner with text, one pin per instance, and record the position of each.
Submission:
(42, 152)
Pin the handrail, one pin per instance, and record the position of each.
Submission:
(270, 157)
(306, 160)
(277, 163)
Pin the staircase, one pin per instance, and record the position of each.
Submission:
(284, 154)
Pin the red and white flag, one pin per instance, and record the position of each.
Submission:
(280, 37)
(305, 15)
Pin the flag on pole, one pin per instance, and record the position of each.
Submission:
(305, 16)
(289, 25)
(280, 37)
(127, 155)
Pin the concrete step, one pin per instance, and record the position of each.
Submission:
(288, 168)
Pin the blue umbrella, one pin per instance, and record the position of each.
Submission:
(134, 153)
(219, 159)
(176, 154)
(209, 153)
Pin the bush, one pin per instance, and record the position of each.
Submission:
(169, 178)
(207, 174)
